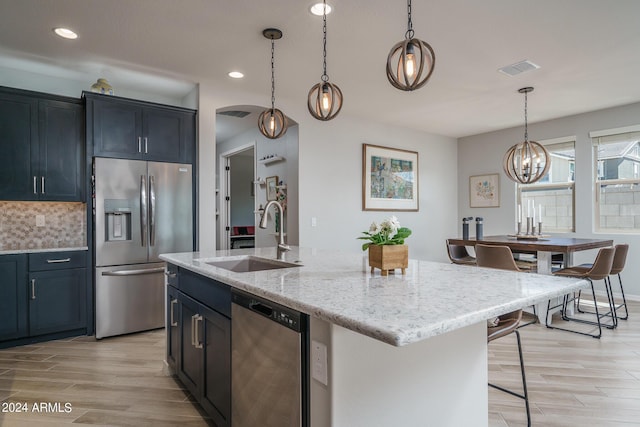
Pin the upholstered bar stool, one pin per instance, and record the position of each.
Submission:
(619, 261)
(600, 270)
(500, 257)
(459, 254)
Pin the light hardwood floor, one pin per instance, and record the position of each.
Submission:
(573, 380)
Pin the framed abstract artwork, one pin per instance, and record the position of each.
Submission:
(389, 179)
(484, 191)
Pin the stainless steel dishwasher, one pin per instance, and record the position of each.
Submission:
(269, 364)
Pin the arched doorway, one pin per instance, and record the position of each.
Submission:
(246, 161)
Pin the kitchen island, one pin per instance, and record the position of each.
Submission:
(402, 349)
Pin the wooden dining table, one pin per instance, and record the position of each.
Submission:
(543, 247)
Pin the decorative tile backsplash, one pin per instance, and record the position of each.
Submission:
(64, 225)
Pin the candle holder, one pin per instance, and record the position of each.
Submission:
(519, 229)
(529, 225)
(540, 228)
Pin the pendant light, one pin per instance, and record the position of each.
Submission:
(528, 161)
(410, 62)
(325, 99)
(272, 122)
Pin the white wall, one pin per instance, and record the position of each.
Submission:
(331, 185)
(481, 154)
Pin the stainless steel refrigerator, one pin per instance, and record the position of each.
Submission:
(142, 209)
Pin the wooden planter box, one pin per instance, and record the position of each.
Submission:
(388, 257)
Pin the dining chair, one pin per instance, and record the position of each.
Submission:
(501, 257)
(599, 270)
(498, 257)
(459, 254)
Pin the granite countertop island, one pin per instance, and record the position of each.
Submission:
(406, 350)
(431, 299)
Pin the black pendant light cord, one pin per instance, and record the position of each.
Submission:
(325, 77)
(273, 78)
(409, 34)
(526, 130)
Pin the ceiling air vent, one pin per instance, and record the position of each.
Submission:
(519, 68)
(234, 113)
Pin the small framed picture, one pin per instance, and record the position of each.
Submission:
(484, 191)
(272, 190)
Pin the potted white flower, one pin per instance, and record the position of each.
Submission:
(387, 250)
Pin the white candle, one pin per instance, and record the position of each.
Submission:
(540, 213)
(534, 212)
(519, 213)
(528, 208)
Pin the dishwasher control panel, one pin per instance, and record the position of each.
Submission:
(278, 313)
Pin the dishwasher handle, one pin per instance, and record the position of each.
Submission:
(261, 308)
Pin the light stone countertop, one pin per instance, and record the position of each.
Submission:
(431, 299)
(37, 250)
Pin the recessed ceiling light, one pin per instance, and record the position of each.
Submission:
(65, 33)
(318, 9)
(236, 75)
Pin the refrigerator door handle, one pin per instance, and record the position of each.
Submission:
(143, 210)
(133, 272)
(152, 211)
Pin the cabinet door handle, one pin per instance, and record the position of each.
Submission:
(35, 184)
(139, 144)
(172, 321)
(193, 330)
(197, 342)
(146, 140)
(42, 184)
(57, 261)
(170, 274)
(33, 288)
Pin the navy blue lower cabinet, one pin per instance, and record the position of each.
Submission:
(13, 297)
(57, 301)
(199, 341)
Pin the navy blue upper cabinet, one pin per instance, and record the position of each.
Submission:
(18, 145)
(129, 129)
(42, 146)
(61, 134)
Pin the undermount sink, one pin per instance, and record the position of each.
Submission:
(249, 263)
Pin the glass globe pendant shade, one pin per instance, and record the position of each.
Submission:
(410, 64)
(526, 162)
(272, 123)
(324, 101)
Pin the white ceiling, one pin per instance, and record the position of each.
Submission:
(588, 51)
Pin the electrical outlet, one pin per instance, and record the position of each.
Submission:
(314, 222)
(39, 220)
(319, 369)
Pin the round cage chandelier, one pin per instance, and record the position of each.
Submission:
(325, 99)
(527, 161)
(410, 62)
(272, 122)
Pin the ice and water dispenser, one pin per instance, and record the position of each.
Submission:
(118, 219)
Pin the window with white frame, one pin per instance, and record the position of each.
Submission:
(617, 175)
(552, 198)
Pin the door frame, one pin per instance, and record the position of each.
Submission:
(224, 205)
